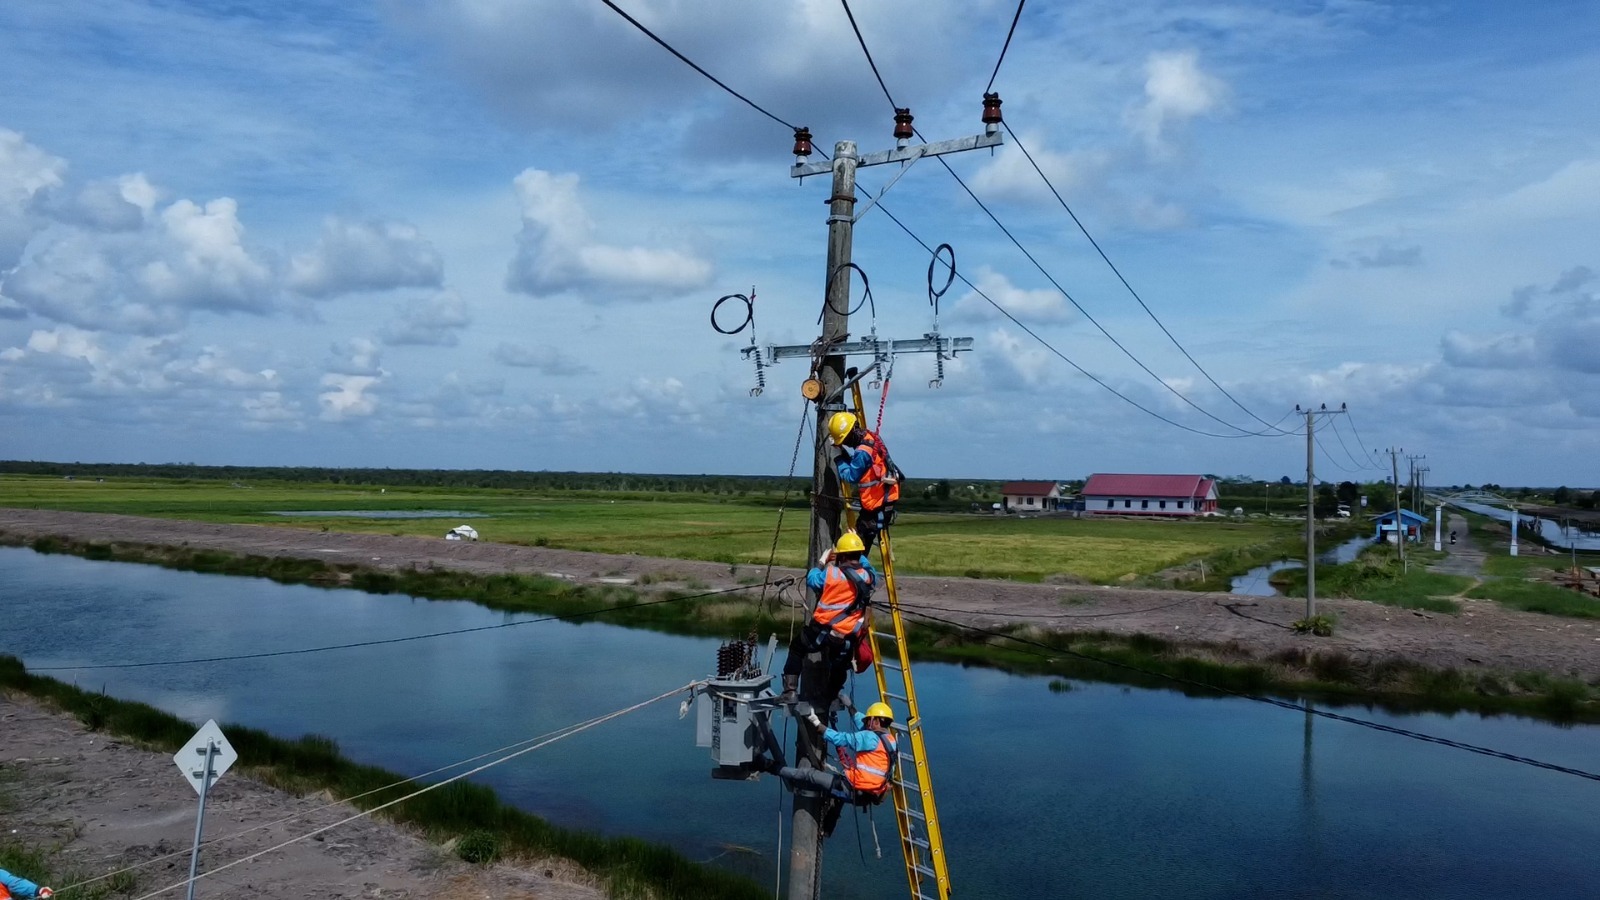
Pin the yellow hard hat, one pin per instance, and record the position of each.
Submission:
(840, 426)
(849, 542)
(880, 710)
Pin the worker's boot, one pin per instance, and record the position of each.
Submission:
(791, 689)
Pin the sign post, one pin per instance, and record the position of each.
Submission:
(202, 761)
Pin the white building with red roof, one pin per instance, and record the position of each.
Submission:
(1031, 496)
(1149, 495)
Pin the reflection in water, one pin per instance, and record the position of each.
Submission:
(1102, 791)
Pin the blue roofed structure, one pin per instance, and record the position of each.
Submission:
(1414, 525)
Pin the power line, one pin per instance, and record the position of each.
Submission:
(693, 65)
(563, 617)
(1118, 272)
(1052, 348)
(1006, 46)
(1341, 466)
(868, 53)
(1371, 454)
(1272, 701)
(860, 39)
(1340, 436)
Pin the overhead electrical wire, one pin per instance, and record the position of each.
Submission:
(695, 66)
(1271, 701)
(1064, 358)
(1118, 272)
(867, 52)
(1336, 433)
(1006, 46)
(1371, 454)
(1329, 456)
(563, 617)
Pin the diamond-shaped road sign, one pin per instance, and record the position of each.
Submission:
(191, 759)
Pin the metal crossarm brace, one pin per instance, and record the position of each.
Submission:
(855, 348)
(905, 154)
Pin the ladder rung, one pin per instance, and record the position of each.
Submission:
(924, 870)
(919, 842)
(894, 666)
(901, 727)
(916, 815)
(884, 635)
(894, 696)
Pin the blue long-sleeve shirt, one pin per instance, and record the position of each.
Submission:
(816, 578)
(853, 468)
(860, 740)
(18, 885)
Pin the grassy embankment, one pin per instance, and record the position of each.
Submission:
(628, 867)
(736, 531)
(1196, 668)
(1527, 581)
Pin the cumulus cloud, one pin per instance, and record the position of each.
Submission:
(26, 172)
(1176, 91)
(188, 257)
(1505, 351)
(1030, 306)
(1009, 176)
(117, 204)
(429, 322)
(557, 252)
(547, 360)
(347, 397)
(365, 256)
(358, 356)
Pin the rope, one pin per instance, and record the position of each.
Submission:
(565, 733)
(783, 505)
(400, 640)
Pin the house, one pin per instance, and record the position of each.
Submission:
(1414, 525)
(1031, 496)
(1149, 495)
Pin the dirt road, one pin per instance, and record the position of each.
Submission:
(1485, 636)
(108, 805)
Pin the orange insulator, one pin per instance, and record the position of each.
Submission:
(802, 141)
(991, 109)
(902, 124)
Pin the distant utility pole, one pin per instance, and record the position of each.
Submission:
(1399, 530)
(1311, 501)
(826, 387)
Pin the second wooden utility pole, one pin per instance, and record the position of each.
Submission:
(1311, 503)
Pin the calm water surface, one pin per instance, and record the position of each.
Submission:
(1098, 792)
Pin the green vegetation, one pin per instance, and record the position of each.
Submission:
(1538, 596)
(1321, 626)
(736, 530)
(469, 814)
(1380, 581)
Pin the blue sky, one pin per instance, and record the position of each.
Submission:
(487, 233)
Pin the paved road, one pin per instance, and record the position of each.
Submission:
(1465, 557)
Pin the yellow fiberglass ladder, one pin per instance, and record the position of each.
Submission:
(920, 839)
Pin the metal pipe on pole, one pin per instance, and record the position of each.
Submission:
(200, 817)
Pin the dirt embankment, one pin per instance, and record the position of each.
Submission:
(95, 804)
(1485, 636)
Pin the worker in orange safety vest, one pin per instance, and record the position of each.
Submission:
(844, 581)
(863, 461)
(867, 760)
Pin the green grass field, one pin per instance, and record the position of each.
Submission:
(735, 530)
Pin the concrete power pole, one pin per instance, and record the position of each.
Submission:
(805, 851)
(1399, 522)
(1311, 502)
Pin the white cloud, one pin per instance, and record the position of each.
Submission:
(1176, 90)
(365, 256)
(1044, 305)
(347, 397)
(1504, 351)
(119, 204)
(26, 171)
(556, 251)
(546, 359)
(429, 322)
(1009, 175)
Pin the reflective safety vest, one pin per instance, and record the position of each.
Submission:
(868, 770)
(843, 600)
(874, 491)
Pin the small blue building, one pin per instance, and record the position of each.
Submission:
(1414, 524)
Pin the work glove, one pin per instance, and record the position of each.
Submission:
(46, 892)
(815, 722)
(845, 699)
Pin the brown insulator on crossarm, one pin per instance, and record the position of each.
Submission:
(991, 109)
(802, 142)
(902, 124)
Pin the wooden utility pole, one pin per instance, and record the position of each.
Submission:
(1399, 521)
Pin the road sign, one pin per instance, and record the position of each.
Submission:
(191, 759)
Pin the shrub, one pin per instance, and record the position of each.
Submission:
(1321, 626)
(479, 847)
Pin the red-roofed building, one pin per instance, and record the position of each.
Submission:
(1031, 496)
(1149, 495)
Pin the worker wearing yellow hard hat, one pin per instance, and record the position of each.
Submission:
(843, 580)
(863, 461)
(867, 758)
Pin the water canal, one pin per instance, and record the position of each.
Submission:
(1256, 583)
(1097, 792)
